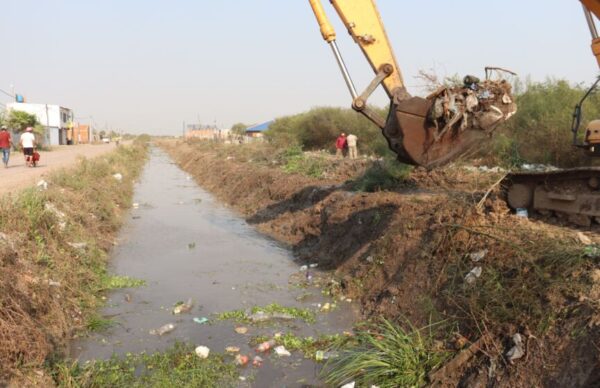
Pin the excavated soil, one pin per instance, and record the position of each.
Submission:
(405, 254)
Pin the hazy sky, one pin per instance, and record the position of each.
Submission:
(148, 65)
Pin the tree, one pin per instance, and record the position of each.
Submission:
(19, 120)
(239, 130)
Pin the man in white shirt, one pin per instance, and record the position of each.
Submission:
(28, 144)
(352, 149)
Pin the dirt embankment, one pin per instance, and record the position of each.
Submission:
(408, 253)
(54, 241)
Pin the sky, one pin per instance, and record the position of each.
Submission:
(147, 66)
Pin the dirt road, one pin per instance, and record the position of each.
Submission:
(18, 176)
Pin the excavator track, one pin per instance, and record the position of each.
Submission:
(570, 194)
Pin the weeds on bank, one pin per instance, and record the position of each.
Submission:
(386, 355)
(53, 254)
(526, 279)
(385, 175)
(274, 308)
(295, 162)
(176, 367)
(96, 323)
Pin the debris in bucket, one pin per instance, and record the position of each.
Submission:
(476, 104)
(473, 275)
(282, 351)
(265, 346)
(202, 351)
(241, 330)
(241, 360)
(257, 361)
(478, 256)
(200, 321)
(585, 240)
(169, 327)
(517, 350)
(232, 349)
(181, 307)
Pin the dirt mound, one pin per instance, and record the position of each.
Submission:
(443, 250)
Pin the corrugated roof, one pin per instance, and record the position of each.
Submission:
(260, 127)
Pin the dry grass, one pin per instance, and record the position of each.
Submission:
(46, 285)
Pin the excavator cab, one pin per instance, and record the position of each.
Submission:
(430, 131)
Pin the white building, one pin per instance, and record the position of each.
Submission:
(54, 118)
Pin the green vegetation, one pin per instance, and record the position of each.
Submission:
(386, 355)
(540, 131)
(296, 162)
(114, 282)
(177, 367)
(318, 128)
(274, 308)
(385, 175)
(96, 323)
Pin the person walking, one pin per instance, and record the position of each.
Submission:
(28, 144)
(340, 144)
(352, 148)
(5, 144)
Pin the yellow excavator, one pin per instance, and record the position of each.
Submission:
(437, 129)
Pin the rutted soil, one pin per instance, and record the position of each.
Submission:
(406, 254)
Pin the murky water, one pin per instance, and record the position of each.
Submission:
(185, 244)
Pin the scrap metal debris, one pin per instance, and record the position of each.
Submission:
(476, 104)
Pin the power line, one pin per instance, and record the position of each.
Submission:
(7, 93)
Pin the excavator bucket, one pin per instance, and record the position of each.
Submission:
(433, 131)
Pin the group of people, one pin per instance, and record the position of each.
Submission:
(346, 145)
(27, 143)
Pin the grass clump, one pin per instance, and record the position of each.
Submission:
(115, 282)
(385, 175)
(243, 316)
(386, 355)
(177, 367)
(96, 323)
(296, 162)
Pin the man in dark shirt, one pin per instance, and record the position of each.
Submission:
(5, 144)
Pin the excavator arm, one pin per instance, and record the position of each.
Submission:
(422, 131)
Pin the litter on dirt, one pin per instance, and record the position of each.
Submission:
(169, 327)
(42, 185)
(473, 275)
(80, 245)
(517, 350)
(118, 176)
(478, 256)
(202, 351)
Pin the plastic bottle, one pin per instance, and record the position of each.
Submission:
(266, 346)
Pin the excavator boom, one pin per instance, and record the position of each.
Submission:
(428, 131)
